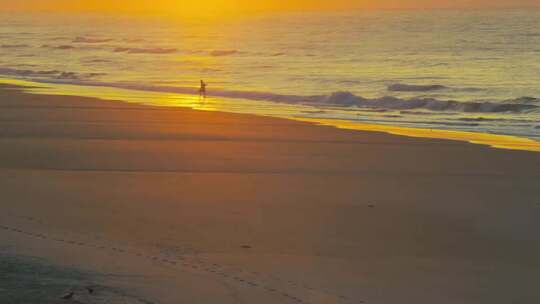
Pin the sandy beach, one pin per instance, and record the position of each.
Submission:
(172, 205)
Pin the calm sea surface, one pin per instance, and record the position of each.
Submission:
(460, 70)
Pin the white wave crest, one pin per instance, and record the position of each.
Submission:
(340, 99)
(145, 50)
(48, 74)
(400, 87)
(91, 40)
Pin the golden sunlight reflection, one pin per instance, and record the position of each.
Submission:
(194, 101)
(492, 140)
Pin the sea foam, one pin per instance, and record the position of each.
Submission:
(336, 99)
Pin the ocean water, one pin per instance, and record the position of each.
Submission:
(469, 70)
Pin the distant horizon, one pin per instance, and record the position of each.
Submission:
(242, 7)
(259, 13)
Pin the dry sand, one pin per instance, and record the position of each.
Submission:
(169, 205)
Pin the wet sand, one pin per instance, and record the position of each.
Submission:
(170, 205)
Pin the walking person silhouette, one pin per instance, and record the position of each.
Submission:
(202, 89)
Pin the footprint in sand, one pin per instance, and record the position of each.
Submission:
(199, 262)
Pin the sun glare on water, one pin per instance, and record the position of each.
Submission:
(195, 9)
(212, 8)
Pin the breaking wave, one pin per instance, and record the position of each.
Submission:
(97, 60)
(91, 40)
(133, 40)
(419, 113)
(525, 99)
(58, 47)
(345, 99)
(145, 51)
(13, 46)
(484, 119)
(218, 53)
(389, 102)
(49, 74)
(399, 87)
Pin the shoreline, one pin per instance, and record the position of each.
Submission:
(497, 141)
(174, 205)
